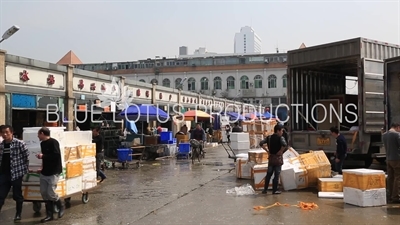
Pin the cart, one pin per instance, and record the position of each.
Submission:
(37, 201)
(128, 158)
(228, 149)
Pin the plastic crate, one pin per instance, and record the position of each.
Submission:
(124, 155)
(166, 136)
(184, 148)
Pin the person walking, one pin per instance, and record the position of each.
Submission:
(275, 145)
(98, 140)
(341, 149)
(391, 141)
(49, 176)
(14, 163)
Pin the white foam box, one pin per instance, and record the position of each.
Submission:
(75, 138)
(243, 169)
(240, 137)
(258, 173)
(293, 177)
(89, 180)
(74, 185)
(89, 164)
(242, 155)
(367, 198)
(240, 145)
(336, 195)
(31, 190)
(290, 153)
(30, 134)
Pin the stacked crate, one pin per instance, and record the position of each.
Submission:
(240, 142)
(364, 187)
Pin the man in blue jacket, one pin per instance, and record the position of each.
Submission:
(341, 149)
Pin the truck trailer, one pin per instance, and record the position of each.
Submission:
(317, 97)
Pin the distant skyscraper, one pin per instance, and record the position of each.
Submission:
(247, 41)
(183, 50)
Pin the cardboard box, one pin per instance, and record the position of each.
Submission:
(31, 190)
(89, 180)
(240, 137)
(74, 168)
(73, 185)
(367, 198)
(243, 169)
(364, 179)
(258, 173)
(72, 153)
(89, 164)
(258, 156)
(87, 150)
(330, 184)
(240, 145)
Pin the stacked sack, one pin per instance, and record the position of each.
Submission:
(304, 170)
(80, 159)
(31, 181)
(364, 187)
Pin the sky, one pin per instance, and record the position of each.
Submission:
(111, 31)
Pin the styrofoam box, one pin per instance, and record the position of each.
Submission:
(243, 169)
(240, 137)
(290, 153)
(372, 197)
(89, 180)
(74, 185)
(30, 135)
(292, 177)
(259, 176)
(242, 155)
(240, 145)
(363, 171)
(338, 195)
(89, 164)
(75, 138)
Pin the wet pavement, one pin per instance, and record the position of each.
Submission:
(177, 192)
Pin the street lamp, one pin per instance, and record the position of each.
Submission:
(10, 32)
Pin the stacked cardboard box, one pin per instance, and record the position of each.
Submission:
(364, 187)
(31, 181)
(304, 170)
(240, 142)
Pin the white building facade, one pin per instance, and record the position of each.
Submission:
(256, 79)
(247, 41)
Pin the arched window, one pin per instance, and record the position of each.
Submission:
(230, 82)
(284, 81)
(258, 81)
(178, 83)
(204, 83)
(141, 80)
(244, 82)
(166, 82)
(272, 81)
(217, 83)
(154, 81)
(191, 84)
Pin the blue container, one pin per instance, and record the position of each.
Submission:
(124, 155)
(166, 136)
(184, 148)
(173, 140)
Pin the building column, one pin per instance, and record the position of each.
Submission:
(69, 101)
(2, 86)
(153, 94)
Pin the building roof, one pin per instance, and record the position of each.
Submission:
(302, 46)
(69, 59)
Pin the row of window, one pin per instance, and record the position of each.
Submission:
(217, 82)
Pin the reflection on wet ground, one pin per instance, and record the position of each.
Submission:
(179, 192)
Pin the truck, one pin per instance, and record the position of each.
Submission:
(392, 91)
(317, 99)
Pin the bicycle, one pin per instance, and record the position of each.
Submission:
(196, 150)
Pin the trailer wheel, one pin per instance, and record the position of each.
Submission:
(85, 198)
(36, 206)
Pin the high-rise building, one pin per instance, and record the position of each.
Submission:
(247, 41)
(183, 50)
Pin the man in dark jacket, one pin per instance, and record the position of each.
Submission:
(391, 140)
(341, 149)
(198, 134)
(274, 144)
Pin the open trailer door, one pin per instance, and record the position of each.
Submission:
(392, 91)
(373, 96)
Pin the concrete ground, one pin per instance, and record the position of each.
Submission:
(177, 192)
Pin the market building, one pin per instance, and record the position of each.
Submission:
(29, 86)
